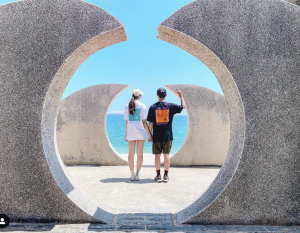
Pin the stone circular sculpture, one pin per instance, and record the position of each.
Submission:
(81, 126)
(252, 46)
(208, 133)
(258, 42)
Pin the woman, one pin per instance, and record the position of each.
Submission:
(135, 115)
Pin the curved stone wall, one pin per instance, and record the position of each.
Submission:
(81, 126)
(208, 133)
(258, 42)
(42, 44)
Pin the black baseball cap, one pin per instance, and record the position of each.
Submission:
(161, 92)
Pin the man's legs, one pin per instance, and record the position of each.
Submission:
(157, 162)
(167, 162)
(157, 167)
(167, 150)
(167, 166)
(157, 149)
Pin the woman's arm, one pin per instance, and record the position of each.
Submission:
(148, 130)
(126, 130)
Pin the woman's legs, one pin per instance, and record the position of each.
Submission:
(140, 148)
(131, 147)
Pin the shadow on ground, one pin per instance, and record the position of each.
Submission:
(126, 180)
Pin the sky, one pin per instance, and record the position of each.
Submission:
(143, 61)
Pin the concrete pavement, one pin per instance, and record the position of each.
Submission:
(110, 185)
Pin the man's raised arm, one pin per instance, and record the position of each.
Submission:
(181, 98)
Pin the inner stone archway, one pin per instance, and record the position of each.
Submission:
(83, 140)
(89, 159)
(81, 126)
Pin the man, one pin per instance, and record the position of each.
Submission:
(160, 117)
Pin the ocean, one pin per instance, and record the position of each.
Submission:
(115, 126)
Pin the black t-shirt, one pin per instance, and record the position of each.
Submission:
(161, 114)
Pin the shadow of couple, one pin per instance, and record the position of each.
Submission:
(127, 180)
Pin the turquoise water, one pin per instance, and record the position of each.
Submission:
(115, 126)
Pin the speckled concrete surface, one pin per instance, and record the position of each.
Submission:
(81, 126)
(37, 39)
(258, 42)
(208, 133)
(110, 185)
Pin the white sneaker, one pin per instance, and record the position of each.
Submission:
(136, 178)
(132, 178)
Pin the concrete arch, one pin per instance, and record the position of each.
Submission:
(81, 126)
(51, 106)
(37, 62)
(236, 112)
(208, 132)
(245, 45)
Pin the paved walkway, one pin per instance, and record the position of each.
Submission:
(152, 203)
(110, 185)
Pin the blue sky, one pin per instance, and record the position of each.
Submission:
(143, 62)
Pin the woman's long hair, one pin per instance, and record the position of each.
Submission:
(131, 105)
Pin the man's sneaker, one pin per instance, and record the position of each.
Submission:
(132, 178)
(136, 178)
(157, 178)
(166, 178)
